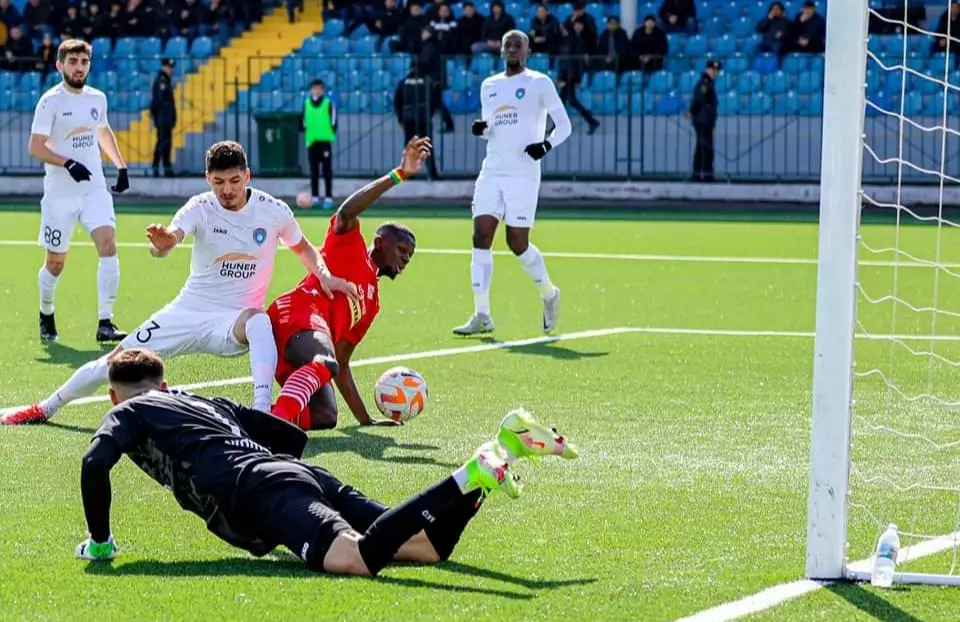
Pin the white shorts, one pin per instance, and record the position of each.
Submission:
(59, 216)
(510, 199)
(176, 330)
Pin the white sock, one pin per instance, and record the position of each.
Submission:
(85, 381)
(48, 290)
(481, 273)
(532, 262)
(108, 281)
(460, 476)
(263, 360)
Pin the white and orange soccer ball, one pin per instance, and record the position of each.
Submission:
(304, 200)
(400, 393)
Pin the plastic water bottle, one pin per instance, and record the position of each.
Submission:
(888, 547)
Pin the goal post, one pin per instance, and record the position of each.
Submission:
(840, 175)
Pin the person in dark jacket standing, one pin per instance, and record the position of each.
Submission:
(319, 125)
(163, 110)
(414, 103)
(703, 113)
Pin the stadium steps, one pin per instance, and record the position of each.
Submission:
(211, 89)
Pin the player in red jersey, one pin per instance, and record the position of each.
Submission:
(316, 335)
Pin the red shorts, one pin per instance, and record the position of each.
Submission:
(297, 311)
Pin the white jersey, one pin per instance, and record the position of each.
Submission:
(515, 109)
(72, 121)
(233, 252)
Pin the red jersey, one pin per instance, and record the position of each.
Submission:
(347, 257)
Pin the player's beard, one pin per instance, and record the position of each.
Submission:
(74, 83)
(514, 64)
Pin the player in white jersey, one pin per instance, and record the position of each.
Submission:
(220, 308)
(69, 130)
(514, 109)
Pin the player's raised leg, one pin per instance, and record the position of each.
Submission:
(253, 329)
(309, 363)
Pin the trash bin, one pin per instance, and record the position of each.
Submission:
(279, 145)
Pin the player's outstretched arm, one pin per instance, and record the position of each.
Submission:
(414, 154)
(95, 489)
(348, 387)
(164, 239)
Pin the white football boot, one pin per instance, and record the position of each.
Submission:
(551, 311)
(478, 324)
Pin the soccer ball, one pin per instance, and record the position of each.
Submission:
(304, 200)
(400, 393)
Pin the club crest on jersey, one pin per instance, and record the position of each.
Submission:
(259, 236)
(95, 113)
(520, 93)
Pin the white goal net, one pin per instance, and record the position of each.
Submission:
(886, 431)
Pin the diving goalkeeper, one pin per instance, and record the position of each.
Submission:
(235, 468)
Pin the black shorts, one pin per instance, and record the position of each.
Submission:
(305, 508)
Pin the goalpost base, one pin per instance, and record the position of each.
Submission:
(901, 578)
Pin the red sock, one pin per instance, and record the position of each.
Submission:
(298, 389)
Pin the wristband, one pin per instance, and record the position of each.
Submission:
(397, 176)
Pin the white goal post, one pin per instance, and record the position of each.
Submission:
(838, 418)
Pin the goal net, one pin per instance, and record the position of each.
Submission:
(886, 395)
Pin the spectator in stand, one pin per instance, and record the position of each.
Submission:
(410, 32)
(413, 105)
(431, 66)
(133, 22)
(162, 16)
(434, 11)
(775, 28)
(649, 46)
(614, 47)
(9, 15)
(115, 22)
(218, 20)
(494, 27)
(72, 26)
(384, 23)
(678, 16)
(469, 29)
(545, 33)
(570, 72)
(589, 33)
(36, 18)
(17, 51)
(189, 19)
(248, 12)
(810, 29)
(950, 19)
(293, 6)
(46, 55)
(445, 31)
(96, 22)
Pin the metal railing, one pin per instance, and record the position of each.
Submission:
(642, 134)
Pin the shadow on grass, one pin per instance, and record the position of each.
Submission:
(549, 348)
(870, 603)
(371, 447)
(62, 354)
(66, 427)
(293, 569)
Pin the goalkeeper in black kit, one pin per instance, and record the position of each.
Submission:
(238, 469)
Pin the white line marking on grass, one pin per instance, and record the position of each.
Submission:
(778, 594)
(787, 261)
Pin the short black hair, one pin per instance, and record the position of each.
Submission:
(135, 366)
(396, 230)
(317, 82)
(226, 155)
(73, 46)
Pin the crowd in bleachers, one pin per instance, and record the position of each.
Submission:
(29, 31)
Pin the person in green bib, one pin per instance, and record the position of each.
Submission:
(319, 125)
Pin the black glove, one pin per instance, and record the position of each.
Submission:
(123, 182)
(478, 127)
(78, 171)
(538, 150)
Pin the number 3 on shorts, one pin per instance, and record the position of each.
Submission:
(51, 237)
(145, 333)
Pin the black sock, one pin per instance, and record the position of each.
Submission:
(395, 526)
(445, 533)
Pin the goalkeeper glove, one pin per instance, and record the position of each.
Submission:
(78, 171)
(538, 150)
(123, 182)
(479, 127)
(97, 551)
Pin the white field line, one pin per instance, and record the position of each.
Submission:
(790, 261)
(778, 594)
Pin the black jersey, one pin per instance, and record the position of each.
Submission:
(205, 451)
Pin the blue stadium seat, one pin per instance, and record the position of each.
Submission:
(360, 31)
(736, 64)
(8, 80)
(880, 99)
(776, 83)
(382, 81)
(539, 62)
(795, 63)
(765, 63)
(24, 101)
(726, 81)
(151, 46)
(813, 106)
(561, 12)
(809, 82)
(102, 47)
(749, 82)
(875, 80)
(269, 81)
(748, 45)
(6, 100)
(52, 79)
(332, 28)
(758, 11)
(787, 104)
(605, 81)
(484, 65)
(151, 64)
(731, 11)
(354, 81)
(817, 64)
(398, 65)
(379, 102)
(919, 44)
(937, 64)
(336, 47)
(876, 44)
(176, 47)
(603, 103)
(934, 105)
(127, 66)
(687, 81)
(913, 105)
(364, 47)
(742, 27)
(660, 82)
(351, 101)
(668, 104)
(696, 46)
(312, 46)
(126, 46)
(463, 81)
(202, 48)
(893, 46)
(713, 27)
(725, 47)
(294, 80)
(319, 64)
(677, 64)
(759, 104)
(454, 65)
(30, 81)
(243, 101)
